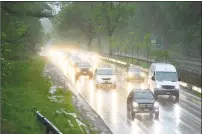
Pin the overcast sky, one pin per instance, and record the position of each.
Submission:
(46, 23)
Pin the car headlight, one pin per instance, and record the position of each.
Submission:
(135, 104)
(130, 74)
(177, 86)
(91, 69)
(158, 86)
(98, 78)
(156, 105)
(77, 70)
(142, 74)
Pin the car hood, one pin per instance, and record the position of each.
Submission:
(167, 83)
(85, 67)
(105, 76)
(139, 101)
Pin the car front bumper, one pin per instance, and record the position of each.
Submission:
(145, 110)
(166, 92)
(87, 73)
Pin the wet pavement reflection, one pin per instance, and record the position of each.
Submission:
(110, 104)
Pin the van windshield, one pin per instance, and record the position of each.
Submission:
(166, 76)
(104, 72)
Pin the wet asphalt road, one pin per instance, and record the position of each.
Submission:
(183, 117)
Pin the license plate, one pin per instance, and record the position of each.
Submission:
(106, 81)
(167, 92)
(146, 109)
(84, 72)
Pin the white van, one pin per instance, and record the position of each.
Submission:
(163, 79)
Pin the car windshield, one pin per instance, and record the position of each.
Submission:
(166, 76)
(84, 64)
(75, 58)
(143, 95)
(135, 69)
(104, 72)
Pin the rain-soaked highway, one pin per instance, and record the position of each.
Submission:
(183, 117)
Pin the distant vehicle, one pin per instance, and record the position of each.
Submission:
(83, 68)
(74, 60)
(105, 76)
(134, 73)
(142, 101)
(163, 79)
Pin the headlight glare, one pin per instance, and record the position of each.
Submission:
(177, 86)
(135, 104)
(158, 86)
(98, 78)
(77, 69)
(142, 74)
(156, 104)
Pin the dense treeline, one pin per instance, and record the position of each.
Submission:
(21, 30)
(179, 23)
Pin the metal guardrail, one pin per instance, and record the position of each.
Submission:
(189, 86)
(50, 128)
(153, 60)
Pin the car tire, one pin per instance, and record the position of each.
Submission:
(128, 112)
(177, 97)
(114, 86)
(90, 77)
(156, 115)
(133, 115)
(151, 114)
(76, 77)
(155, 95)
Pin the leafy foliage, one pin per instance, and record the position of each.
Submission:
(21, 31)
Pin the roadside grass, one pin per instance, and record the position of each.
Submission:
(27, 89)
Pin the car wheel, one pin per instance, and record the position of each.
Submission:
(76, 77)
(133, 115)
(155, 95)
(156, 115)
(151, 115)
(128, 111)
(177, 97)
(114, 86)
(90, 77)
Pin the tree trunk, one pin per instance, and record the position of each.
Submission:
(89, 43)
(110, 45)
(99, 43)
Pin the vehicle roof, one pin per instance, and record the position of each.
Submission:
(104, 68)
(164, 67)
(141, 90)
(135, 67)
(83, 62)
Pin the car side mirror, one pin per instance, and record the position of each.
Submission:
(179, 79)
(156, 98)
(153, 78)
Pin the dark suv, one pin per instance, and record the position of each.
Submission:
(142, 101)
(83, 68)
